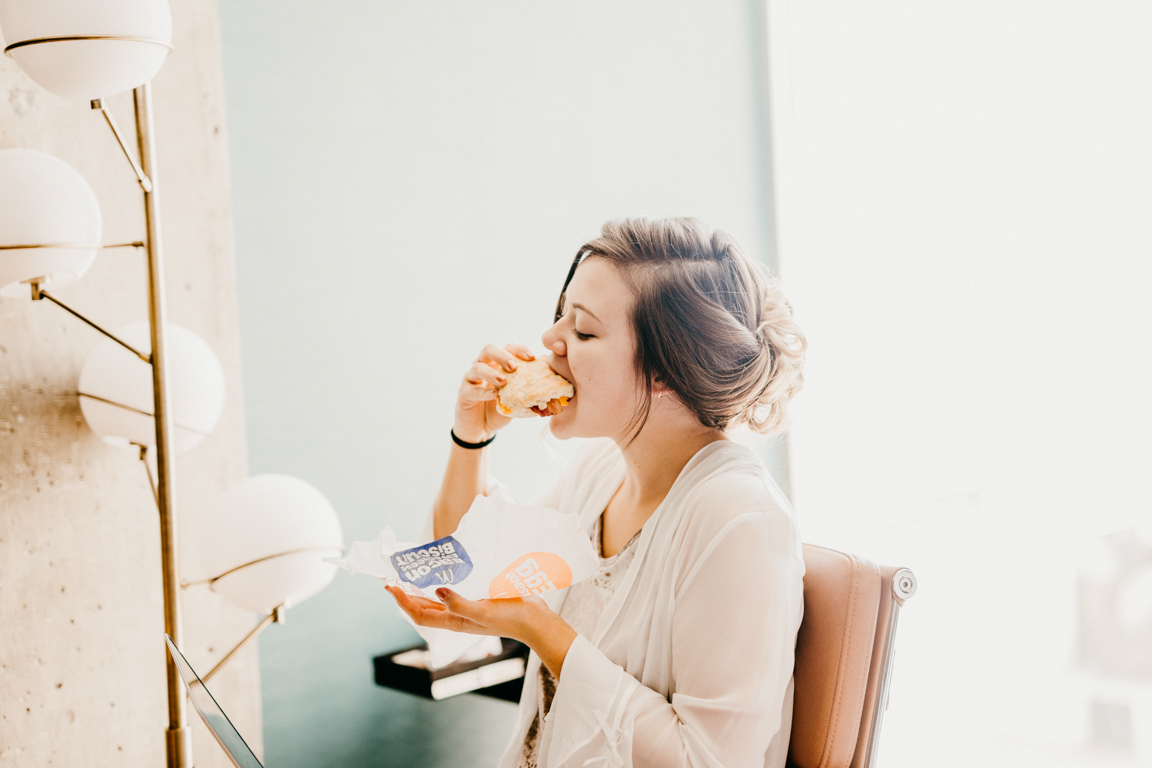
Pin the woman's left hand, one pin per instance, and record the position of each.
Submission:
(527, 619)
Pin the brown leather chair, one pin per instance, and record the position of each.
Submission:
(844, 658)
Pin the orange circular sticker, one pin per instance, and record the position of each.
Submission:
(533, 574)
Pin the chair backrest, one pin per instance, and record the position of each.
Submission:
(844, 658)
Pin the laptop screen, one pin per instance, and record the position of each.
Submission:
(210, 711)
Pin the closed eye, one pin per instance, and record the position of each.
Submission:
(582, 336)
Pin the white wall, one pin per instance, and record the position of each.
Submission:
(964, 205)
(411, 182)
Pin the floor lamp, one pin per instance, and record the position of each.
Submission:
(271, 532)
(89, 50)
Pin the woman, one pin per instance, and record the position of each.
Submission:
(679, 651)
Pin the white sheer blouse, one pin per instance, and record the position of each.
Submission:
(690, 663)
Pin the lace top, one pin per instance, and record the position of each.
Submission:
(582, 608)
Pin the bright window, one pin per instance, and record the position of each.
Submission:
(964, 201)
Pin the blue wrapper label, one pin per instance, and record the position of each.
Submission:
(442, 562)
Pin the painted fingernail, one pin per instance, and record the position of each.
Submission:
(442, 593)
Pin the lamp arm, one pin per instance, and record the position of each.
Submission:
(39, 293)
(277, 615)
(213, 579)
(145, 182)
(24, 247)
(148, 469)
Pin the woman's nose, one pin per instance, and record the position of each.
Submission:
(553, 342)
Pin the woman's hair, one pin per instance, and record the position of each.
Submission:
(710, 324)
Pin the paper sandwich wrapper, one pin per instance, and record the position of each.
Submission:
(501, 549)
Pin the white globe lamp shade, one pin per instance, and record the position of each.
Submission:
(116, 388)
(84, 49)
(48, 207)
(268, 535)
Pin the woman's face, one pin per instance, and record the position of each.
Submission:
(593, 346)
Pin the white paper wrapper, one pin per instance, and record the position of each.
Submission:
(501, 549)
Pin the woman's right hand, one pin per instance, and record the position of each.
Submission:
(477, 415)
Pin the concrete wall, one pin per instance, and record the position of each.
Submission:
(81, 651)
(411, 181)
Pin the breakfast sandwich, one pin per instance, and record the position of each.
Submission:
(534, 389)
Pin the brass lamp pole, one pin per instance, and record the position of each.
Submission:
(178, 737)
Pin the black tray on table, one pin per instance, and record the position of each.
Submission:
(500, 676)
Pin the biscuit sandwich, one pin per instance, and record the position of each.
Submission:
(534, 389)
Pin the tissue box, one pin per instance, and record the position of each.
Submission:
(500, 676)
